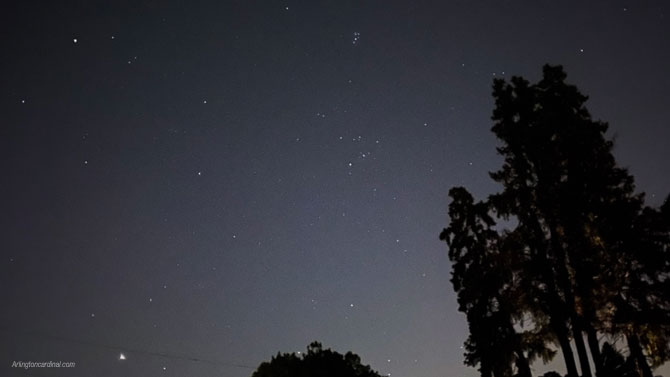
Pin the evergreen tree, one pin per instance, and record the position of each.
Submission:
(584, 256)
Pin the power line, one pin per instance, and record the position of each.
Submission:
(166, 355)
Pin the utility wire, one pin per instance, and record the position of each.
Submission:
(166, 355)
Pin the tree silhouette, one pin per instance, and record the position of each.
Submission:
(486, 283)
(317, 362)
(583, 257)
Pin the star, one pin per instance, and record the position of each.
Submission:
(74, 40)
(122, 356)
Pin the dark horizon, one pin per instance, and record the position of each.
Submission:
(226, 180)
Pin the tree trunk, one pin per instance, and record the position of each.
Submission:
(561, 331)
(594, 345)
(566, 286)
(638, 356)
(557, 313)
(581, 347)
(584, 290)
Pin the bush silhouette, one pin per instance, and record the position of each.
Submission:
(317, 362)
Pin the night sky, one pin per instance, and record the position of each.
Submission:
(224, 180)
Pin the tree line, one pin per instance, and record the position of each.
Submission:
(567, 253)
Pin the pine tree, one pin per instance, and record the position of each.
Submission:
(584, 255)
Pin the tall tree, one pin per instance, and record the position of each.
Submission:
(535, 122)
(586, 257)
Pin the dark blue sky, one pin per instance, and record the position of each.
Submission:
(224, 180)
